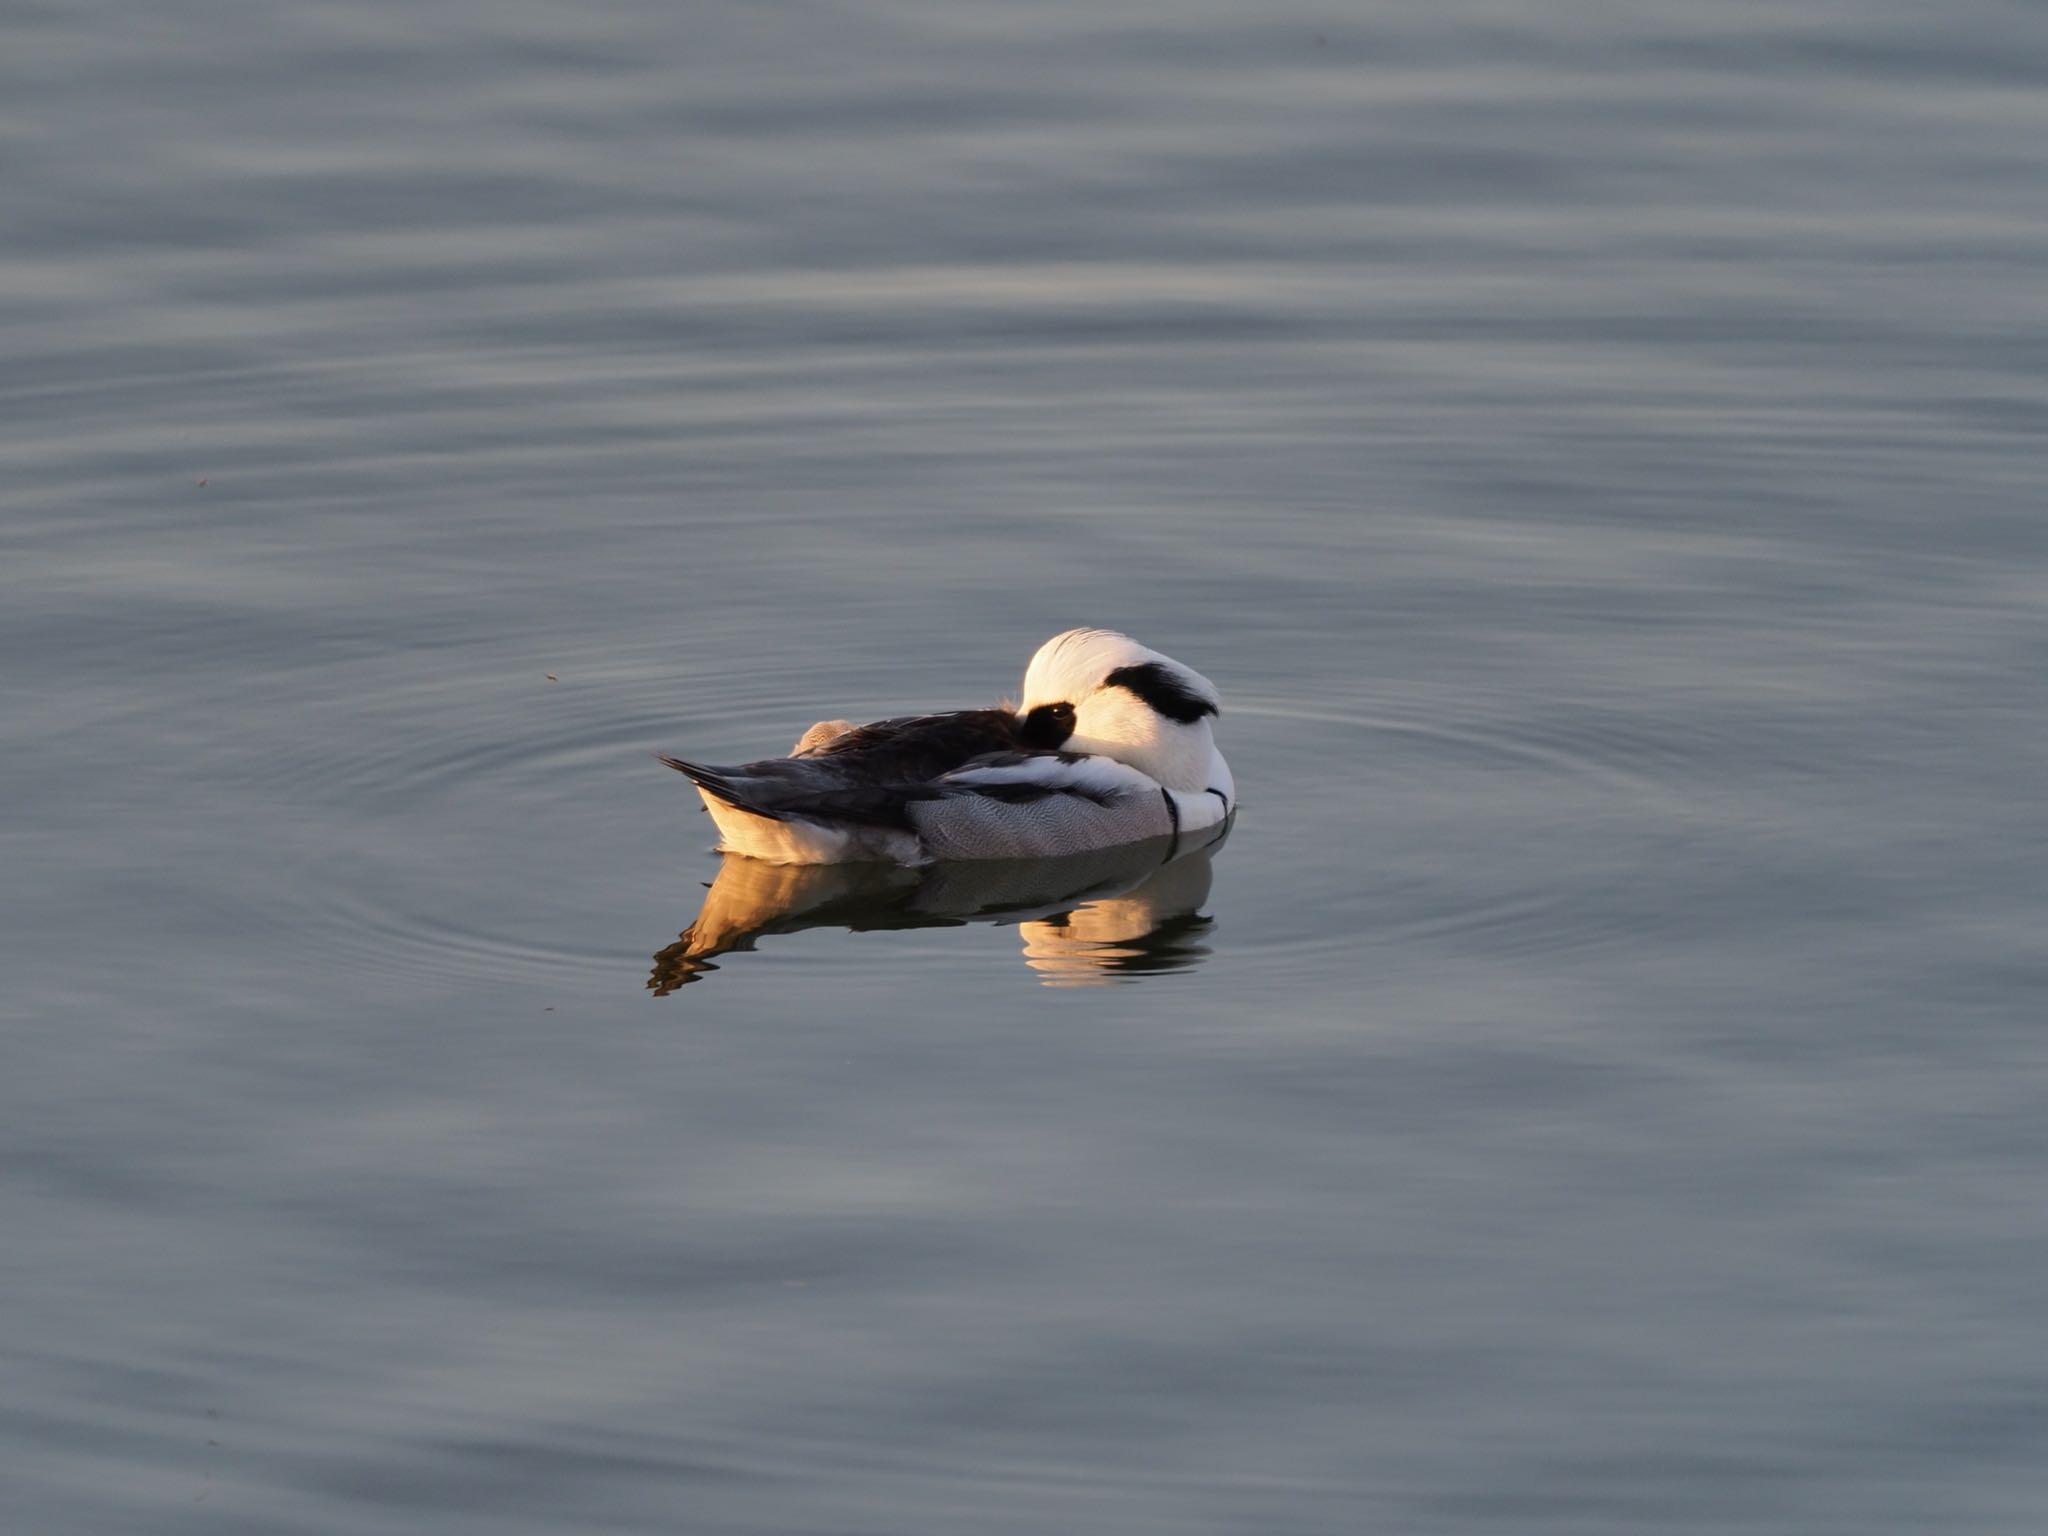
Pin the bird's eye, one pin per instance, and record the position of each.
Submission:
(1047, 726)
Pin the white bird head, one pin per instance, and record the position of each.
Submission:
(1096, 691)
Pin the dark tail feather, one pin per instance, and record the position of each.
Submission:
(713, 781)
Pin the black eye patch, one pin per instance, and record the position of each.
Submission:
(1047, 726)
(1162, 690)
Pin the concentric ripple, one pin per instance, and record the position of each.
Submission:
(1480, 826)
(495, 823)
(449, 824)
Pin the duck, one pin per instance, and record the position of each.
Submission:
(1110, 743)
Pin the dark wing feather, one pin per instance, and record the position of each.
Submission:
(870, 775)
(913, 748)
(715, 781)
(890, 805)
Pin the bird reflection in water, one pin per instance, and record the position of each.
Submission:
(1112, 915)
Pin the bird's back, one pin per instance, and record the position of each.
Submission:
(844, 797)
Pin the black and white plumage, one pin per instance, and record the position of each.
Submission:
(1110, 744)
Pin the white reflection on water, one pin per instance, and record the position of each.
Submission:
(1111, 915)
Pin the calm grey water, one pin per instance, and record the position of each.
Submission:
(1597, 448)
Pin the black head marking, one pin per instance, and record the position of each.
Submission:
(1047, 727)
(1158, 686)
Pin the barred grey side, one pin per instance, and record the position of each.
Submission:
(990, 827)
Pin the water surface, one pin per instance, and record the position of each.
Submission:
(1597, 450)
